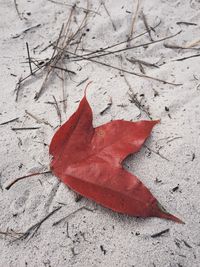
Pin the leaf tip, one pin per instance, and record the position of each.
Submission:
(162, 213)
(85, 90)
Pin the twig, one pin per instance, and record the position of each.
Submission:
(0, 182)
(160, 233)
(131, 47)
(186, 23)
(33, 229)
(147, 26)
(64, 69)
(56, 58)
(53, 103)
(126, 71)
(24, 128)
(116, 44)
(10, 233)
(133, 21)
(74, 212)
(29, 75)
(83, 81)
(63, 92)
(25, 31)
(78, 197)
(17, 88)
(135, 100)
(68, 230)
(75, 6)
(16, 7)
(173, 46)
(6, 122)
(175, 138)
(57, 42)
(109, 104)
(134, 60)
(29, 59)
(52, 60)
(142, 70)
(38, 119)
(186, 244)
(108, 13)
(156, 152)
(184, 58)
(23, 177)
(57, 109)
(193, 43)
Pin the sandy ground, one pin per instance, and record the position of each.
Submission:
(168, 165)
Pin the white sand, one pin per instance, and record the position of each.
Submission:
(101, 238)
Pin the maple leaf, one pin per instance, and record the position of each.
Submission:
(89, 161)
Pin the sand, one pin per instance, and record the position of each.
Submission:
(168, 165)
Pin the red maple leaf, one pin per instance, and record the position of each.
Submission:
(89, 161)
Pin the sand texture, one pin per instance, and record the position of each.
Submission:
(156, 78)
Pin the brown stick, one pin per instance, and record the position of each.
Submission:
(23, 177)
